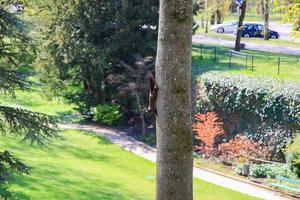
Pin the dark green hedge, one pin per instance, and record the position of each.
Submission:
(261, 104)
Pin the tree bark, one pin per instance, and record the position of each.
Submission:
(206, 15)
(262, 8)
(240, 26)
(266, 19)
(174, 172)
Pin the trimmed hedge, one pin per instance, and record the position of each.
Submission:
(259, 96)
(260, 104)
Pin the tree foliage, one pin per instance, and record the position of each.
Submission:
(92, 43)
(15, 48)
(291, 15)
(207, 127)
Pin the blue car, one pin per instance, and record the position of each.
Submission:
(257, 30)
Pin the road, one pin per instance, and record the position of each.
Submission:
(284, 30)
(204, 39)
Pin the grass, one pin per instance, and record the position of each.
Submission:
(35, 100)
(250, 16)
(265, 63)
(81, 165)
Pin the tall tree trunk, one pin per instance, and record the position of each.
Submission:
(174, 173)
(262, 6)
(240, 26)
(206, 15)
(266, 19)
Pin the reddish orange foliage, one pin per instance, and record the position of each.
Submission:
(207, 127)
(239, 147)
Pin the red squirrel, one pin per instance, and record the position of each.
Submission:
(152, 92)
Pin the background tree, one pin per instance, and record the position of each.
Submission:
(15, 46)
(266, 4)
(291, 15)
(240, 25)
(91, 43)
(173, 77)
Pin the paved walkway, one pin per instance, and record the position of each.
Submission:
(143, 150)
(203, 39)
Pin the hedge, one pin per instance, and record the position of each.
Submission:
(260, 103)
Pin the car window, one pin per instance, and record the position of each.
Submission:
(260, 27)
(250, 26)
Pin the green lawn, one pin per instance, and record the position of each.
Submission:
(80, 165)
(35, 100)
(250, 16)
(265, 64)
(253, 17)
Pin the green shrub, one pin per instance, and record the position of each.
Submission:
(259, 171)
(238, 169)
(293, 155)
(148, 138)
(108, 114)
(262, 108)
(269, 170)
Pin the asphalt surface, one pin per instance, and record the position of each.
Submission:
(204, 39)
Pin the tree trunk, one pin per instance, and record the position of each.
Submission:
(262, 8)
(138, 100)
(174, 172)
(266, 19)
(240, 26)
(202, 20)
(206, 15)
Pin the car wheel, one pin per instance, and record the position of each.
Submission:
(273, 37)
(220, 30)
(246, 35)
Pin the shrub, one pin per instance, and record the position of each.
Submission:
(293, 155)
(238, 169)
(207, 127)
(269, 170)
(255, 105)
(259, 171)
(238, 148)
(148, 138)
(108, 114)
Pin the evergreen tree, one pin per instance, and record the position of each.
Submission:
(89, 42)
(35, 127)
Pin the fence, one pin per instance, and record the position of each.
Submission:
(264, 63)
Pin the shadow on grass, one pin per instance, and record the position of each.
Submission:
(6, 193)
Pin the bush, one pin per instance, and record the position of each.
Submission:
(239, 148)
(207, 127)
(269, 170)
(238, 169)
(108, 114)
(264, 98)
(293, 155)
(259, 171)
(255, 105)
